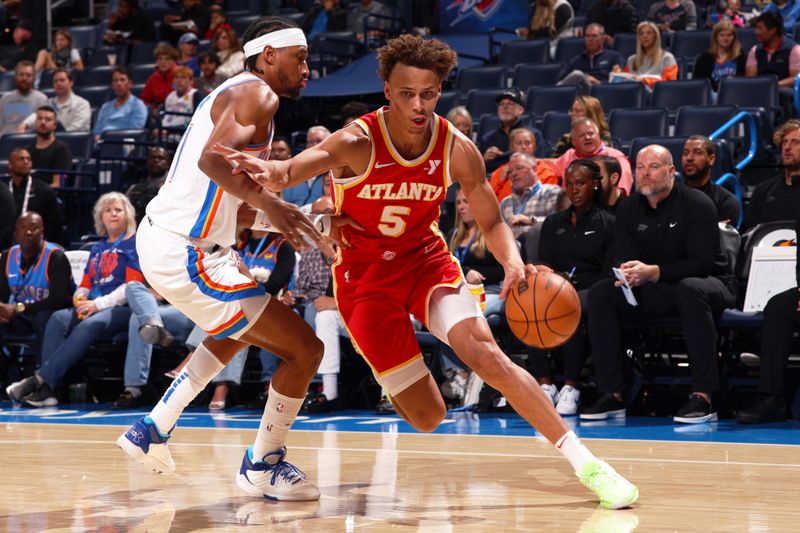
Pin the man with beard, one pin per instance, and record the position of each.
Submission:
(47, 151)
(494, 145)
(778, 198)
(144, 190)
(699, 154)
(34, 195)
(18, 104)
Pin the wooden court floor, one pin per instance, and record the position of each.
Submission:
(61, 478)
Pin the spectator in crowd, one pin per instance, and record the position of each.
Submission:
(353, 110)
(194, 18)
(699, 154)
(494, 144)
(24, 49)
(610, 172)
(778, 198)
(665, 244)
(144, 190)
(324, 16)
(461, 118)
(586, 144)
(47, 151)
(593, 65)
(227, 48)
(724, 59)
(551, 20)
(101, 309)
(129, 24)
(773, 54)
(8, 210)
(34, 195)
(584, 106)
(208, 79)
(789, 10)
(520, 140)
(530, 200)
(616, 16)
(305, 194)
(673, 15)
(187, 53)
(281, 151)
(72, 111)
(17, 104)
(363, 9)
(159, 83)
(651, 63)
(579, 242)
(180, 104)
(34, 281)
(730, 11)
(62, 55)
(125, 111)
(218, 20)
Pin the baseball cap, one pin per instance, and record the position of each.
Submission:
(188, 38)
(511, 94)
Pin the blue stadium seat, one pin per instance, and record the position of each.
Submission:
(531, 74)
(490, 121)
(554, 125)
(702, 120)
(747, 36)
(540, 100)
(533, 51)
(618, 95)
(100, 55)
(585, 6)
(643, 7)
(80, 144)
(240, 24)
(142, 53)
(140, 73)
(678, 93)
(625, 44)
(480, 78)
(9, 141)
(758, 91)
(97, 96)
(569, 47)
(447, 101)
(46, 81)
(96, 76)
(83, 37)
(627, 124)
(7, 81)
(690, 44)
(483, 101)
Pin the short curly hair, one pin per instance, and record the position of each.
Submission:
(414, 51)
(788, 127)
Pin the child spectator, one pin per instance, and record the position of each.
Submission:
(208, 79)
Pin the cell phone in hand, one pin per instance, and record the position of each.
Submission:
(626, 288)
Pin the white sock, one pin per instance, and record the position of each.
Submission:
(279, 415)
(135, 391)
(330, 385)
(573, 449)
(201, 368)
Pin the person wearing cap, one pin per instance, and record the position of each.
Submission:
(26, 49)
(187, 52)
(494, 145)
(159, 84)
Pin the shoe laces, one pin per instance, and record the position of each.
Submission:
(284, 469)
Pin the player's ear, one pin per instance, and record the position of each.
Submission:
(387, 91)
(269, 55)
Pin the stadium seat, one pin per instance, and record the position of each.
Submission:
(534, 51)
(585, 6)
(569, 47)
(625, 44)
(747, 36)
(490, 121)
(702, 120)
(627, 124)
(80, 144)
(758, 91)
(447, 101)
(9, 141)
(96, 76)
(97, 96)
(140, 73)
(240, 24)
(46, 81)
(6, 81)
(483, 101)
(618, 95)
(531, 74)
(643, 7)
(480, 78)
(142, 53)
(678, 93)
(100, 55)
(540, 100)
(690, 44)
(83, 37)
(554, 125)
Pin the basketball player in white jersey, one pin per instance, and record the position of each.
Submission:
(185, 252)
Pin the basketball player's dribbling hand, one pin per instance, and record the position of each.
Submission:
(294, 225)
(515, 275)
(265, 173)
(338, 223)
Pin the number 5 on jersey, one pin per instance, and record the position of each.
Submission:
(392, 223)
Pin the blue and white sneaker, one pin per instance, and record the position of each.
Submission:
(144, 444)
(274, 479)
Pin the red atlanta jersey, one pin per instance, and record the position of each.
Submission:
(397, 201)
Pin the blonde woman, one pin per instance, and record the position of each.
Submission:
(589, 107)
(651, 63)
(63, 55)
(462, 120)
(227, 48)
(552, 19)
(101, 309)
(724, 59)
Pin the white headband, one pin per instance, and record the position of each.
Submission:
(276, 39)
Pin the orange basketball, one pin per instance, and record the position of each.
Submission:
(543, 310)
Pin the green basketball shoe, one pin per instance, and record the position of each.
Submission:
(615, 491)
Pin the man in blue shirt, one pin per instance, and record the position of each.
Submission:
(593, 66)
(305, 194)
(125, 111)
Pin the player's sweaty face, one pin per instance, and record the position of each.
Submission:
(413, 92)
(293, 70)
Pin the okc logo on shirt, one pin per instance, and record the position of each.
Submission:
(481, 9)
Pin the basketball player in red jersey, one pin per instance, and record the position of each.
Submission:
(394, 167)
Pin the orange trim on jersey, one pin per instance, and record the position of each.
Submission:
(211, 283)
(212, 213)
(348, 183)
(47, 267)
(222, 327)
(448, 147)
(401, 365)
(387, 141)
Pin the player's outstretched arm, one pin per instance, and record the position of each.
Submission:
(466, 166)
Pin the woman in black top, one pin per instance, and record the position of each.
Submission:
(551, 19)
(580, 242)
(724, 58)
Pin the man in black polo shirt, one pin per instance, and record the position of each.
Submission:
(592, 66)
(699, 154)
(666, 241)
(494, 145)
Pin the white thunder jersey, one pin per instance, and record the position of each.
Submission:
(189, 203)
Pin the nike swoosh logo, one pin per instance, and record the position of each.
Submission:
(381, 165)
(588, 232)
(673, 224)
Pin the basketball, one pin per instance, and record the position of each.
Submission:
(544, 310)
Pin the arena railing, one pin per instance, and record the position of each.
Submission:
(742, 116)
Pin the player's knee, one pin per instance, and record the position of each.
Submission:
(310, 353)
(430, 419)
